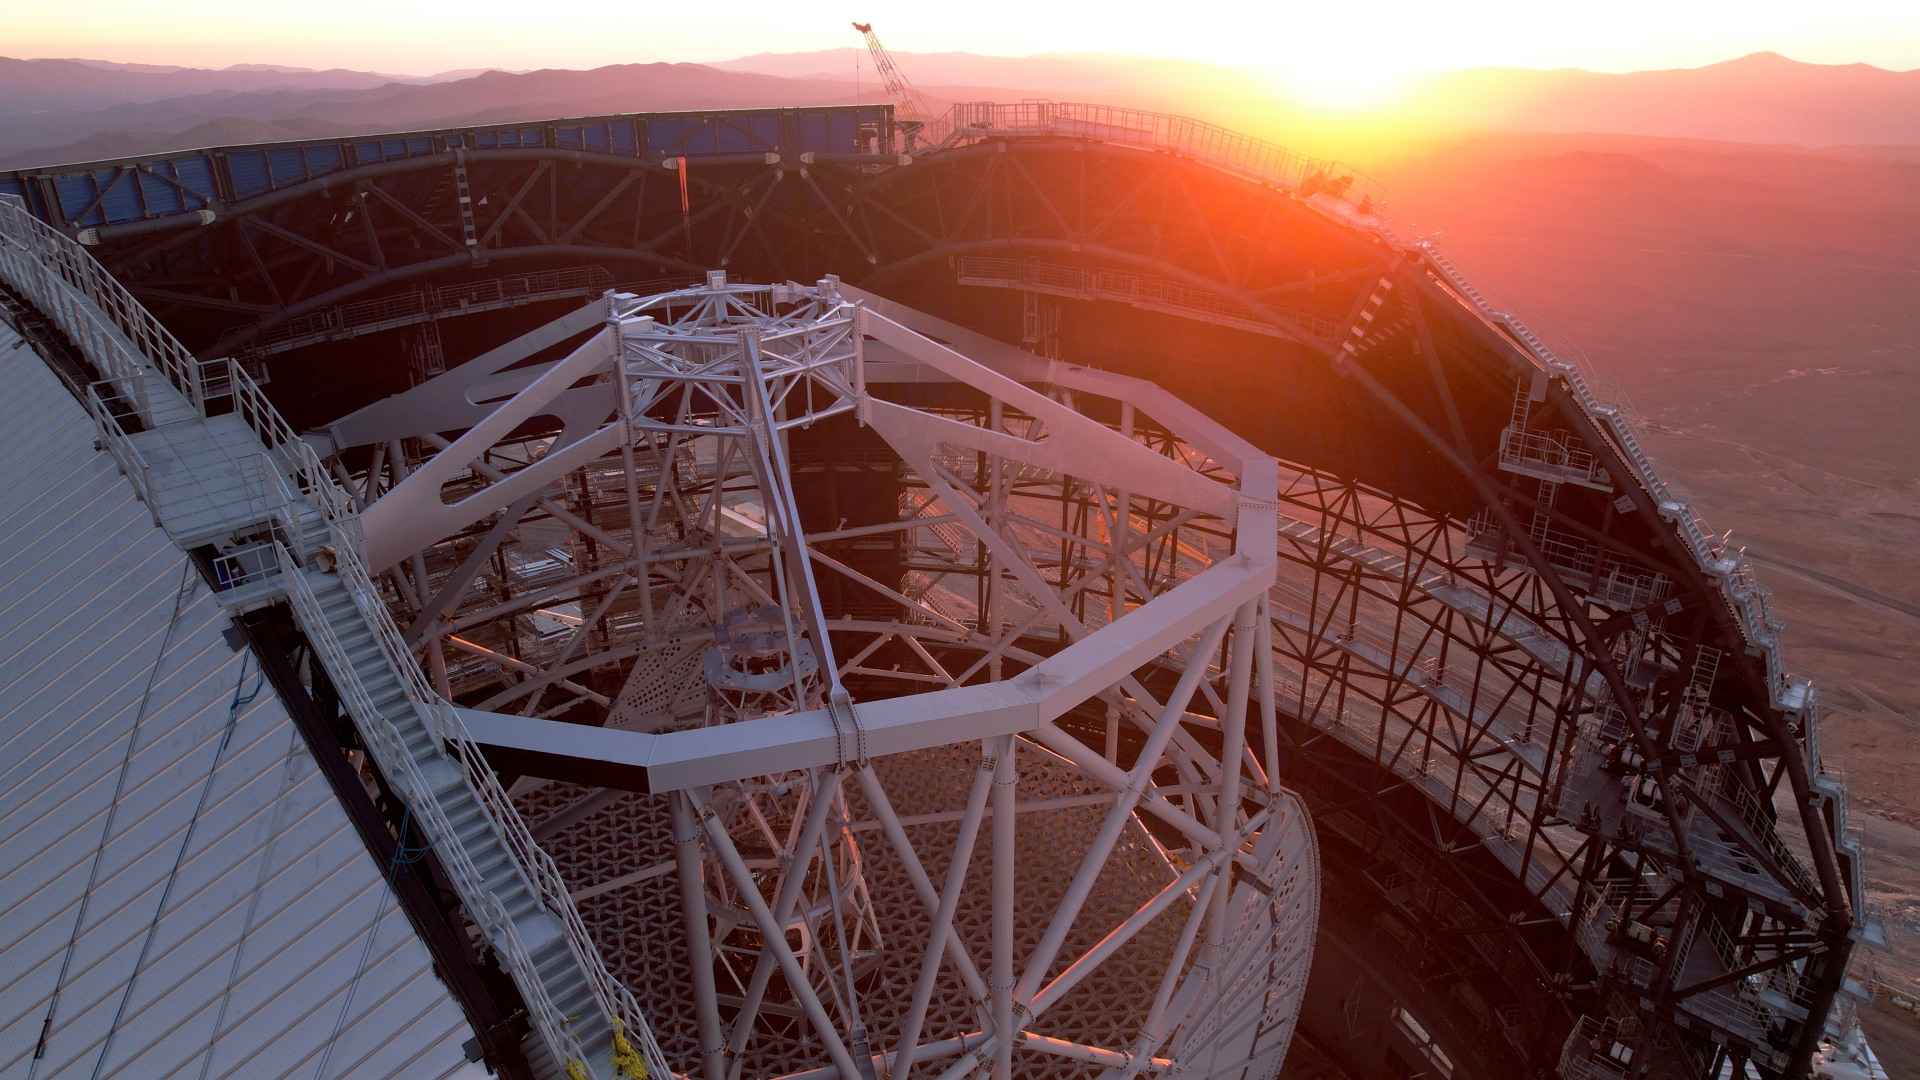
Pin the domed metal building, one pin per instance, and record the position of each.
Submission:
(774, 593)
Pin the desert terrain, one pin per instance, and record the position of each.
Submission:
(1762, 306)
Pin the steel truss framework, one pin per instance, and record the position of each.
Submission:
(1490, 598)
(1037, 558)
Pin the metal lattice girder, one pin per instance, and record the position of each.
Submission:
(686, 409)
(1492, 632)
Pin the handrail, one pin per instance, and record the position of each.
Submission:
(267, 484)
(116, 333)
(121, 338)
(421, 305)
(113, 439)
(294, 452)
(1346, 193)
(1346, 190)
(94, 308)
(389, 749)
(616, 1001)
(1602, 399)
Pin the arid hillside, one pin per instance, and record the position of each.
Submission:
(1762, 306)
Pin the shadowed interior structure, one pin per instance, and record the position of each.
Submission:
(1571, 813)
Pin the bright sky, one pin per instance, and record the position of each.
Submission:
(1335, 49)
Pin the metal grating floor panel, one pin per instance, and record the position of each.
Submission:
(265, 942)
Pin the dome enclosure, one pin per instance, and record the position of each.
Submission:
(1571, 808)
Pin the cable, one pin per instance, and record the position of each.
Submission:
(346, 1006)
(403, 856)
(241, 697)
(113, 810)
(253, 899)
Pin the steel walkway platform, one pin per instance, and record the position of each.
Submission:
(185, 895)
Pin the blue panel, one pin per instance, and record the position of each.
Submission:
(813, 133)
(287, 166)
(531, 137)
(662, 135)
(196, 174)
(76, 194)
(845, 133)
(159, 196)
(249, 171)
(323, 159)
(620, 136)
(569, 137)
(766, 129)
(123, 198)
(393, 148)
(486, 140)
(732, 140)
(13, 186)
(369, 152)
(420, 145)
(682, 137)
(454, 141)
(596, 136)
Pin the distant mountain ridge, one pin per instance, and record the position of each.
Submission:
(1055, 73)
(89, 110)
(1760, 98)
(251, 69)
(488, 98)
(30, 86)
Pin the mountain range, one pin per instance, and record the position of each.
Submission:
(55, 111)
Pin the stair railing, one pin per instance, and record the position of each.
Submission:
(69, 285)
(1602, 399)
(397, 763)
(113, 439)
(295, 453)
(537, 867)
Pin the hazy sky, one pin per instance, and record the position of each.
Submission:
(1334, 46)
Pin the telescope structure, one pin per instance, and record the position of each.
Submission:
(1053, 591)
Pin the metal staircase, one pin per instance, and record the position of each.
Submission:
(240, 479)
(1617, 419)
(510, 887)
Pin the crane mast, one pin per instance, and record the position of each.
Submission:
(910, 113)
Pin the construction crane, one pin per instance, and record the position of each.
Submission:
(910, 112)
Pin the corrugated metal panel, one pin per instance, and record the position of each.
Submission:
(159, 196)
(171, 860)
(249, 171)
(682, 136)
(257, 169)
(77, 192)
(813, 133)
(323, 159)
(196, 174)
(287, 166)
(122, 202)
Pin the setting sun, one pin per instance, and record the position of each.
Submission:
(1018, 540)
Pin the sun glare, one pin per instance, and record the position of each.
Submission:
(1338, 83)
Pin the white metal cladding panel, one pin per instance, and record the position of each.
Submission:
(268, 936)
